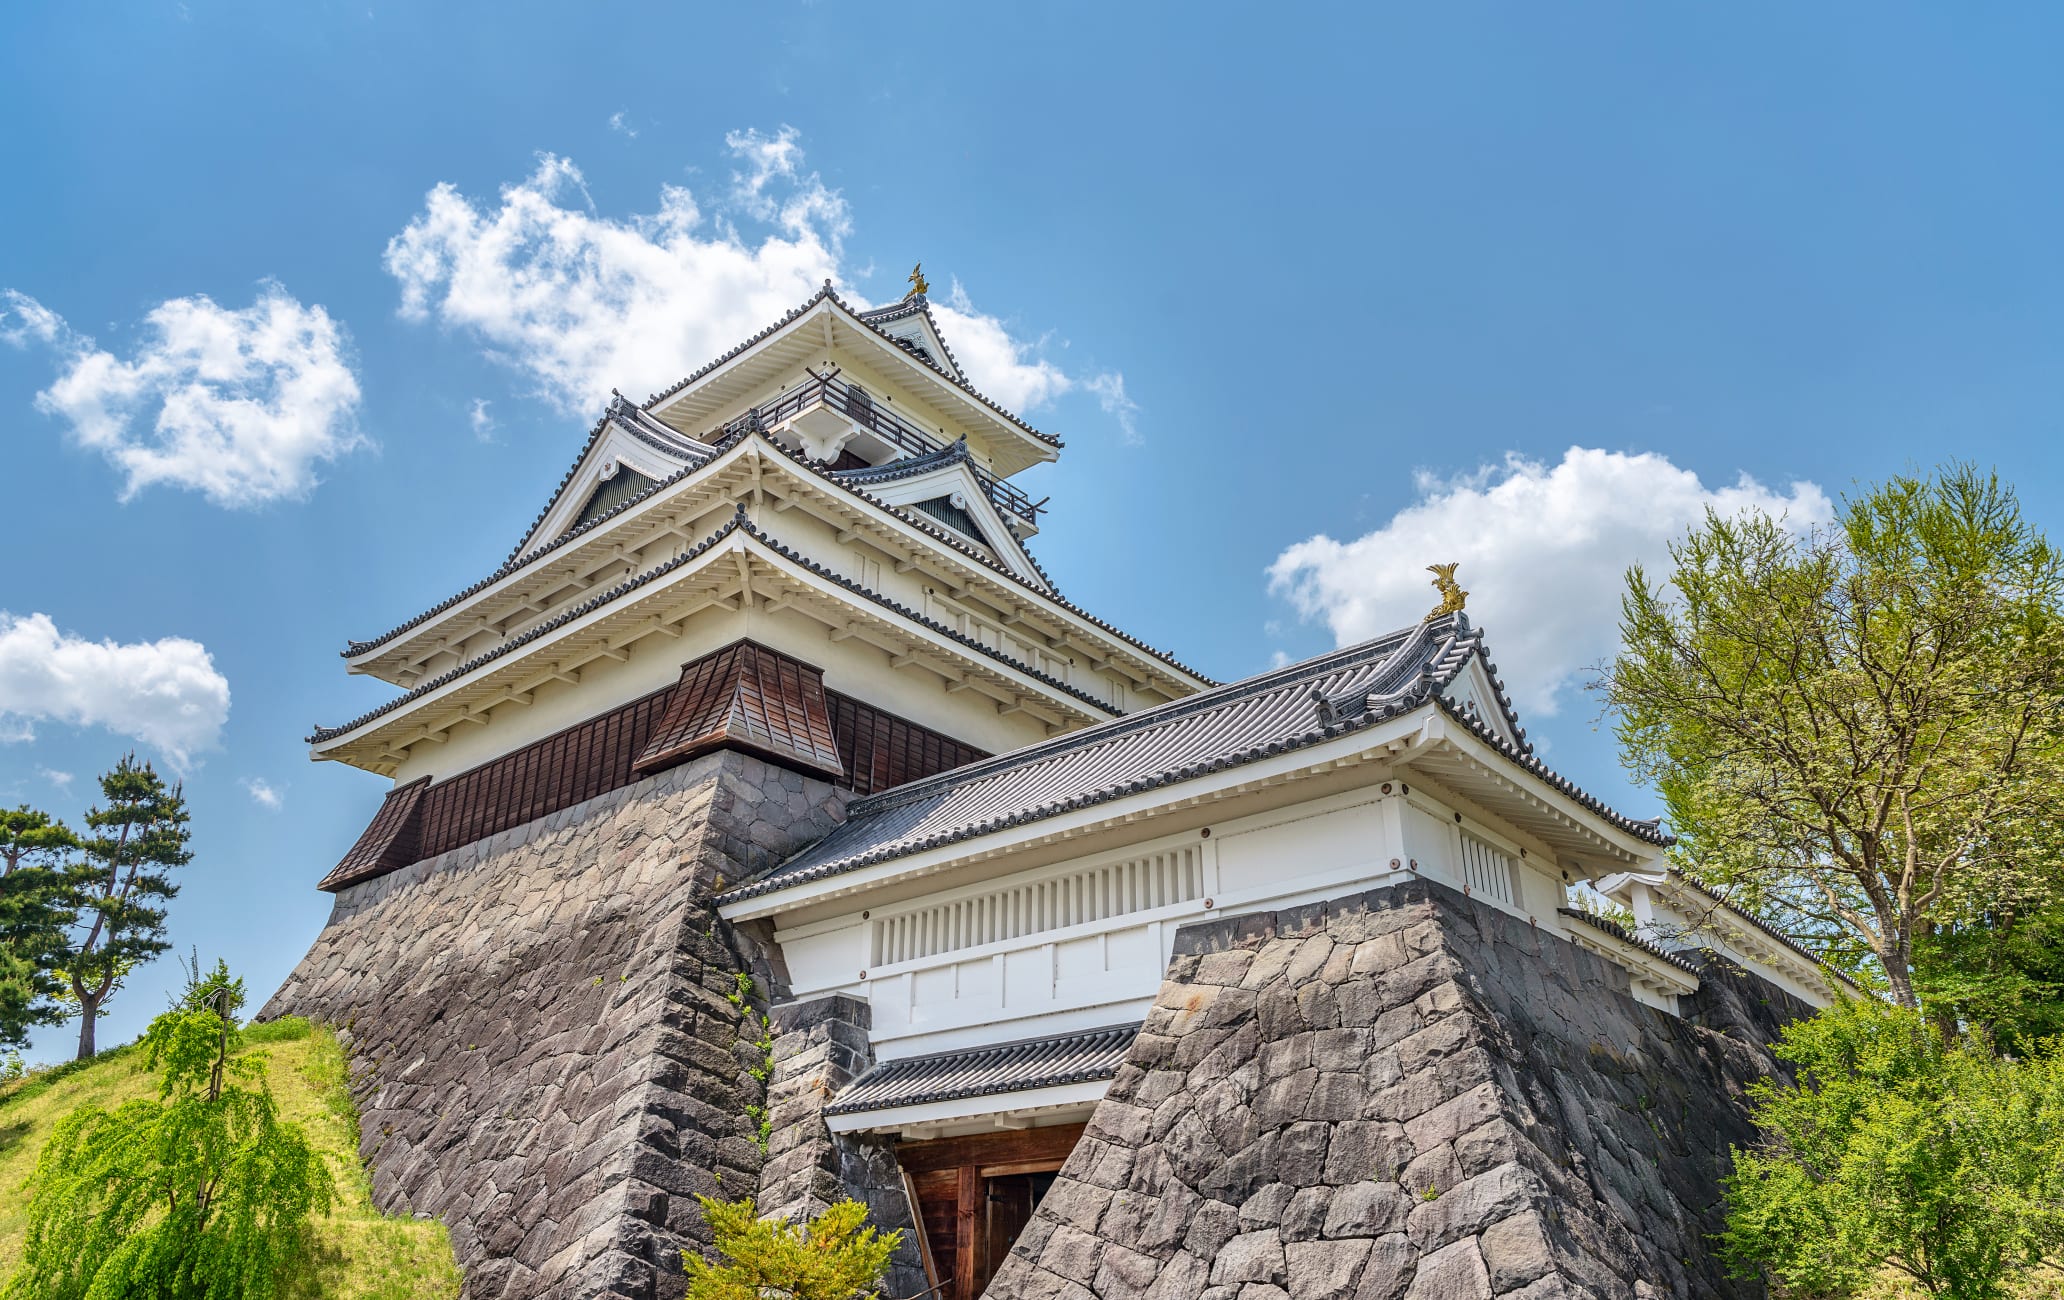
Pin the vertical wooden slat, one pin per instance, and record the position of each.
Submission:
(966, 1225)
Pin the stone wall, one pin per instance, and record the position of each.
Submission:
(545, 1047)
(1403, 1094)
(822, 1046)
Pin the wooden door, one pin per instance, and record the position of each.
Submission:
(976, 1194)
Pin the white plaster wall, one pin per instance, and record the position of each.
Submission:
(1084, 975)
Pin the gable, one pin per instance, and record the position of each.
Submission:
(618, 463)
(911, 327)
(613, 491)
(1476, 692)
(948, 492)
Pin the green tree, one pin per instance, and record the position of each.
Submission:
(1996, 964)
(836, 1257)
(1855, 728)
(33, 918)
(1894, 1149)
(202, 1194)
(118, 885)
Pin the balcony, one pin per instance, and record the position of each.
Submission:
(824, 413)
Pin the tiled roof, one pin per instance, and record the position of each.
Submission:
(525, 637)
(1624, 935)
(1231, 725)
(907, 466)
(738, 523)
(984, 1071)
(626, 416)
(1650, 828)
(834, 479)
(1277, 712)
(1767, 930)
(353, 649)
(828, 293)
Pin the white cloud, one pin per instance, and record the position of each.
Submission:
(241, 405)
(23, 320)
(483, 423)
(1007, 369)
(580, 303)
(1543, 550)
(165, 693)
(620, 122)
(1109, 388)
(62, 780)
(263, 794)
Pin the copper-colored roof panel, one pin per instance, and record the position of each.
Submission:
(748, 697)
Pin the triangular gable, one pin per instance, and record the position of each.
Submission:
(622, 458)
(1476, 691)
(823, 324)
(911, 324)
(952, 482)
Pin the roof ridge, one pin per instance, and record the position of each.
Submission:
(1377, 649)
(523, 559)
(738, 522)
(952, 453)
(530, 634)
(718, 448)
(827, 293)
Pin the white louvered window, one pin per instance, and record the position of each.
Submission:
(1079, 898)
(1488, 870)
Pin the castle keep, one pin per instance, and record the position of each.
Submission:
(770, 824)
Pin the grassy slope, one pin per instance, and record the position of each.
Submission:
(358, 1251)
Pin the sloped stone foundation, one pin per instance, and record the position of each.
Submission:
(1399, 1096)
(823, 1046)
(546, 1049)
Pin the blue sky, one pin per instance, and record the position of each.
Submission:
(1365, 277)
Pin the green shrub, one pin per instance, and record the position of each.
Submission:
(835, 1257)
(201, 1194)
(1895, 1150)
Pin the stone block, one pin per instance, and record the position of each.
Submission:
(1325, 1270)
(1454, 1272)
(1367, 1209)
(1475, 1205)
(1305, 1214)
(1516, 1251)
(1389, 1270)
(1251, 1257)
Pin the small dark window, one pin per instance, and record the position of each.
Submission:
(859, 403)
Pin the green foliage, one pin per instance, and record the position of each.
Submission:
(119, 885)
(1896, 1149)
(1855, 728)
(33, 917)
(201, 1194)
(762, 1067)
(1996, 963)
(836, 1257)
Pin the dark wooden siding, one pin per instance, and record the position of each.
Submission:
(874, 749)
(879, 750)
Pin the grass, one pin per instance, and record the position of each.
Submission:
(357, 1251)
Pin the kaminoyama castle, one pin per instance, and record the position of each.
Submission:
(769, 824)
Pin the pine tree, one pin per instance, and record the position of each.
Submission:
(119, 884)
(33, 917)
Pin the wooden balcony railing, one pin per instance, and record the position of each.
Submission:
(857, 406)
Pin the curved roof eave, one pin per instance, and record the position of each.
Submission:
(361, 649)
